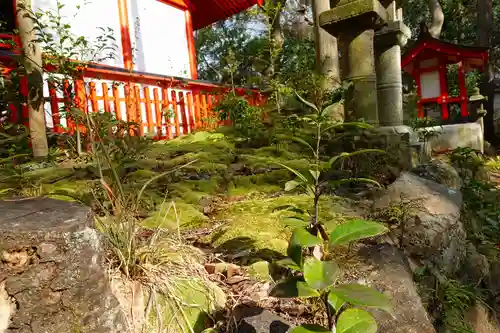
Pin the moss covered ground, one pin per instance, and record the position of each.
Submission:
(249, 183)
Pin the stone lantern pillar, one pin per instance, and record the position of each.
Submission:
(388, 42)
(354, 23)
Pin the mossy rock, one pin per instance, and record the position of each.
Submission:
(141, 176)
(215, 144)
(192, 191)
(47, 175)
(255, 162)
(68, 190)
(186, 305)
(260, 270)
(258, 226)
(184, 215)
(246, 185)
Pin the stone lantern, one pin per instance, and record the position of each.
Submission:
(354, 23)
(477, 106)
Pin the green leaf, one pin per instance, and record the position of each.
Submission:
(331, 108)
(356, 321)
(336, 158)
(297, 173)
(310, 328)
(291, 184)
(358, 152)
(288, 263)
(335, 302)
(359, 124)
(315, 174)
(355, 230)
(295, 254)
(305, 143)
(293, 288)
(295, 222)
(320, 274)
(309, 104)
(290, 208)
(301, 237)
(361, 295)
(354, 180)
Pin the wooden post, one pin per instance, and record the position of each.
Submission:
(463, 90)
(116, 102)
(175, 113)
(149, 114)
(158, 116)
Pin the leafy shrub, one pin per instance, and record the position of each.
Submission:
(246, 120)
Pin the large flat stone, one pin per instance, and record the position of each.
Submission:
(385, 268)
(432, 230)
(353, 15)
(454, 136)
(52, 265)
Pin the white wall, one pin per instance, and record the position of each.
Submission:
(158, 36)
(157, 31)
(87, 20)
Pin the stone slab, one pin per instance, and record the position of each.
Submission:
(456, 135)
(353, 15)
(34, 214)
(53, 268)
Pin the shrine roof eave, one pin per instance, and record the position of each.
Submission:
(445, 49)
(206, 12)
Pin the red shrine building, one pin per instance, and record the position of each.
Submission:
(430, 62)
(155, 58)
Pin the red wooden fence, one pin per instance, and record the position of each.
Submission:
(164, 107)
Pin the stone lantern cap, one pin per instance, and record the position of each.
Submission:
(353, 16)
(395, 32)
(476, 96)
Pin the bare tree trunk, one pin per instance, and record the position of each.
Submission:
(327, 54)
(484, 36)
(275, 36)
(32, 61)
(437, 18)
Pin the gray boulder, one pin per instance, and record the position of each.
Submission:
(385, 268)
(439, 172)
(252, 319)
(52, 268)
(432, 230)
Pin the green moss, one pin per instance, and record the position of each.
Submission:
(184, 215)
(246, 185)
(255, 225)
(260, 270)
(192, 191)
(186, 305)
(74, 188)
(140, 176)
(200, 141)
(48, 175)
(255, 162)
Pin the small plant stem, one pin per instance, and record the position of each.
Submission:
(317, 188)
(329, 313)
